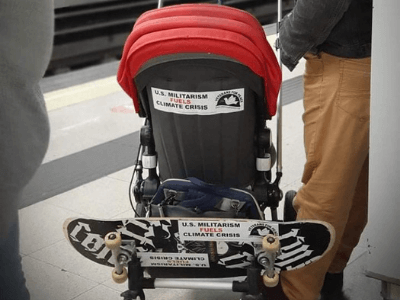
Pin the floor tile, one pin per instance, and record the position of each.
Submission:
(123, 175)
(117, 287)
(100, 199)
(90, 123)
(63, 256)
(41, 226)
(100, 293)
(357, 286)
(167, 294)
(213, 295)
(46, 282)
(126, 214)
(156, 294)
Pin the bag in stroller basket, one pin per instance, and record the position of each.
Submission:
(197, 199)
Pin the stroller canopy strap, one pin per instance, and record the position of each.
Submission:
(200, 28)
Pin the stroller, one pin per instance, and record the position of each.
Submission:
(206, 81)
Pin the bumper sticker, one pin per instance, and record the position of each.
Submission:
(174, 260)
(225, 230)
(195, 103)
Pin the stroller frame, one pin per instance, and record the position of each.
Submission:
(267, 193)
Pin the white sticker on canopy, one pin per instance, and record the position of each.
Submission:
(203, 103)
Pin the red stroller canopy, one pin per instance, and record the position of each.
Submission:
(200, 28)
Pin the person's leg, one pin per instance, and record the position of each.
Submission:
(334, 279)
(336, 136)
(355, 226)
(26, 31)
(12, 280)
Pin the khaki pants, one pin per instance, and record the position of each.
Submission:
(335, 178)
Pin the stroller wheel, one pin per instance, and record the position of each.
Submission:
(289, 213)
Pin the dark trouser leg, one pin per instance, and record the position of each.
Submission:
(12, 281)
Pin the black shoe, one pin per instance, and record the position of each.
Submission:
(333, 287)
(333, 284)
(337, 296)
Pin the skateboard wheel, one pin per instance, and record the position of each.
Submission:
(222, 248)
(113, 240)
(271, 282)
(119, 278)
(271, 243)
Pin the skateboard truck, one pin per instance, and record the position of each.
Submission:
(266, 258)
(121, 258)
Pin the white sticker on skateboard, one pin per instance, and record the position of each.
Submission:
(194, 103)
(171, 260)
(232, 231)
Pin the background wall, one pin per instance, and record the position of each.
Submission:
(384, 220)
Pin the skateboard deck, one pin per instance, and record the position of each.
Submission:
(220, 246)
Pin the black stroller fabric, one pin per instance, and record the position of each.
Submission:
(216, 148)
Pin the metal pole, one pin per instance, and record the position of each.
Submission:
(160, 3)
(192, 284)
(279, 108)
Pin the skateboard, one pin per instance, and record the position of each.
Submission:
(200, 248)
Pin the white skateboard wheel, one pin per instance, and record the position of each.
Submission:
(271, 243)
(113, 240)
(271, 282)
(222, 248)
(119, 278)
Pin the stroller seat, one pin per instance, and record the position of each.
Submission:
(206, 78)
(202, 114)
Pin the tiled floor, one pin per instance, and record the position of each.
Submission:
(55, 271)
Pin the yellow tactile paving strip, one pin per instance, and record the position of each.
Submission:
(83, 92)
